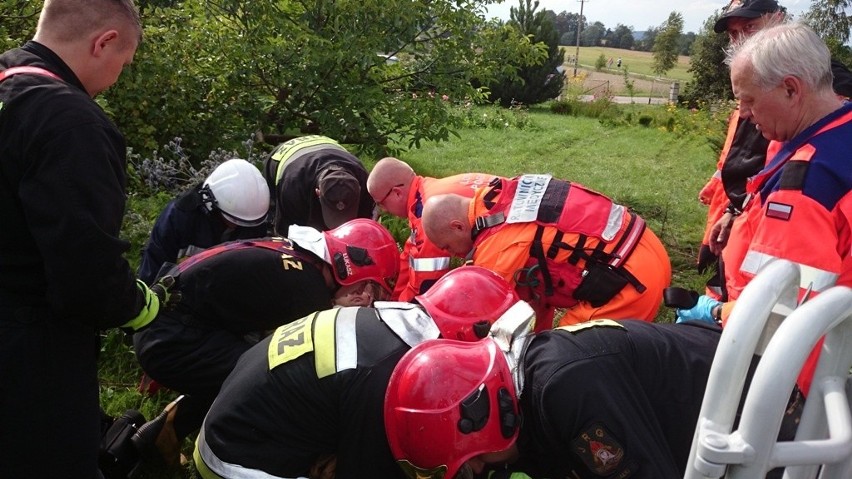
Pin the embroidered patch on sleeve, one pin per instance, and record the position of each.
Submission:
(779, 211)
(601, 452)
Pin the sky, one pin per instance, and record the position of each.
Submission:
(640, 14)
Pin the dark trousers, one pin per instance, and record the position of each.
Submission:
(189, 357)
(49, 412)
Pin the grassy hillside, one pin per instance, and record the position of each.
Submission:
(637, 63)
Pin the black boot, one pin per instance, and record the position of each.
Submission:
(118, 456)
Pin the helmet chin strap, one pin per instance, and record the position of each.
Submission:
(512, 332)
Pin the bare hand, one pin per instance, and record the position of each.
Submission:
(720, 233)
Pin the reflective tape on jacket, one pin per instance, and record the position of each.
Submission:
(815, 279)
(422, 265)
(330, 335)
(285, 153)
(211, 467)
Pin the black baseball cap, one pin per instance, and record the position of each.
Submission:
(744, 9)
(340, 195)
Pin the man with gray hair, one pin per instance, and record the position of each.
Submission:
(744, 152)
(63, 277)
(800, 203)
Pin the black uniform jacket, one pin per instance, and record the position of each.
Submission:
(296, 201)
(605, 399)
(315, 386)
(186, 227)
(62, 199)
(252, 288)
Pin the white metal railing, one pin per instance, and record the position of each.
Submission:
(824, 436)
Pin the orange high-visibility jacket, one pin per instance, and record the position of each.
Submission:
(800, 209)
(582, 224)
(421, 262)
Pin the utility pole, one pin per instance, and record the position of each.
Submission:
(579, 28)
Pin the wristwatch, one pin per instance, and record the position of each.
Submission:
(716, 312)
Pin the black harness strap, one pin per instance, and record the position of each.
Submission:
(483, 222)
(496, 187)
(537, 251)
(579, 251)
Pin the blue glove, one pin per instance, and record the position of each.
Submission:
(702, 311)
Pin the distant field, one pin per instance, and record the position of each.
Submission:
(638, 65)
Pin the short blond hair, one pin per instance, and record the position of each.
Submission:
(68, 20)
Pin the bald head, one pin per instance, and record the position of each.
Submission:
(388, 185)
(446, 223)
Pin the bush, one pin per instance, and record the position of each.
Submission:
(600, 63)
(495, 117)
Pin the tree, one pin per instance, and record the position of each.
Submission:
(831, 21)
(592, 35)
(666, 45)
(567, 24)
(541, 81)
(214, 72)
(17, 22)
(684, 43)
(710, 76)
(622, 37)
(649, 36)
(600, 63)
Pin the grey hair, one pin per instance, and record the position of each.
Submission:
(792, 49)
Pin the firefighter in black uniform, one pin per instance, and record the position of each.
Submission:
(315, 182)
(598, 399)
(308, 399)
(231, 204)
(62, 272)
(234, 293)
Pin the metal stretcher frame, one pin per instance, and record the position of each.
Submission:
(823, 444)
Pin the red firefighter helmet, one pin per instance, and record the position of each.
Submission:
(466, 301)
(447, 402)
(362, 249)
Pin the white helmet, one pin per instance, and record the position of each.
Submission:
(237, 189)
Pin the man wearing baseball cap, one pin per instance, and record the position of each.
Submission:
(315, 182)
(736, 17)
(744, 152)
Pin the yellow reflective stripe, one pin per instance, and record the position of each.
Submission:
(148, 312)
(208, 463)
(297, 147)
(291, 341)
(816, 279)
(324, 337)
(595, 323)
(429, 264)
(202, 467)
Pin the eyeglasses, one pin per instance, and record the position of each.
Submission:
(389, 192)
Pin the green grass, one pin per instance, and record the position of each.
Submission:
(656, 169)
(637, 63)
